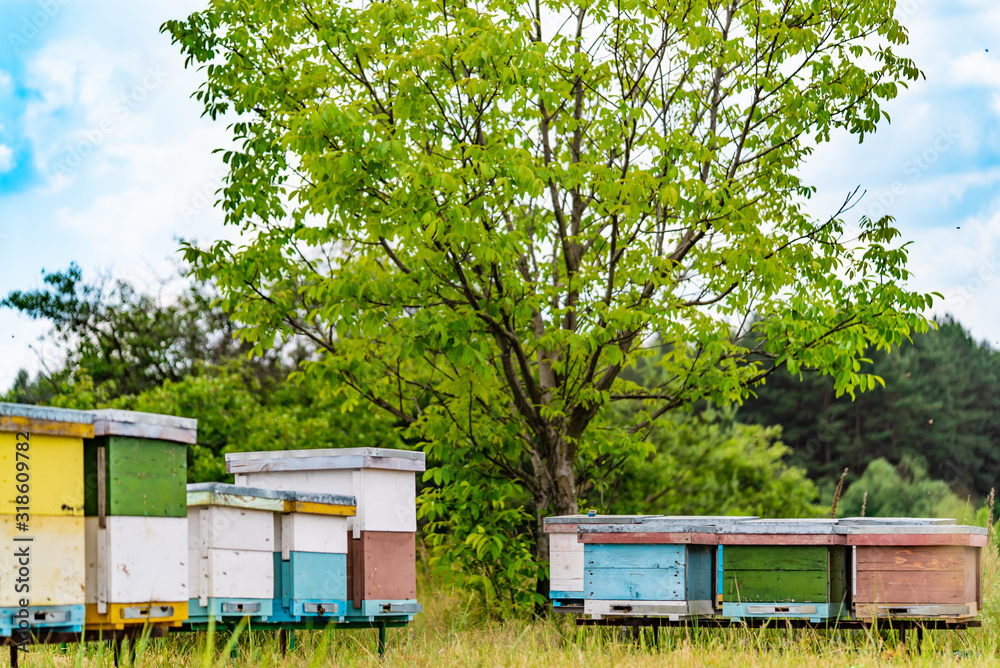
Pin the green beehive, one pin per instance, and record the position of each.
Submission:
(144, 461)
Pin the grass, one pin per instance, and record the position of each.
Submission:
(449, 633)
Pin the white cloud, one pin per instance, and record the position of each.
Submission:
(6, 158)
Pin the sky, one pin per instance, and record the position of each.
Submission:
(105, 160)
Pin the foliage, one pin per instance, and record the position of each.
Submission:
(941, 403)
(481, 213)
(710, 465)
(903, 491)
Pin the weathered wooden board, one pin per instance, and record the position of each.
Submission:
(917, 575)
(121, 615)
(55, 474)
(137, 560)
(570, 523)
(383, 566)
(43, 420)
(783, 558)
(635, 556)
(231, 574)
(50, 618)
(782, 539)
(230, 528)
(314, 576)
(234, 496)
(565, 542)
(313, 533)
(651, 538)
(920, 558)
(964, 539)
(638, 584)
(629, 608)
(113, 422)
(56, 562)
(701, 572)
(144, 477)
(910, 587)
(325, 459)
(766, 586)
(566, 570)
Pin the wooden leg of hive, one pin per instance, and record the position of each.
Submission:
(13, 656)
(283, 641)
(381, 640)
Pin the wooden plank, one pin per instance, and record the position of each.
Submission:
(775, 586)
(313, 533)
(355, 571)
(921, 558)
(144, 478)
(701, 565)
(650, 538)
(782, 558)
(388, 562)
(917, 540)
(55, 474)
(146, 559)
(125, 615)
(320, 508)
(102, 487)
(239, 574)
(635, 556)
(195, 499)
(566, 570)
(317, 577)
(636, 584)
(565, 543)
(782, 539)
(135, 424)
(910, 587)
(45, 420)
(230, 528)
(323, 463)
(55, 559)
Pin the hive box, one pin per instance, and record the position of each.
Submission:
(381, 552)
(652, 566)
(41, 452)
(144, 470)
(785, 569)
(566, 555)
(915, 568)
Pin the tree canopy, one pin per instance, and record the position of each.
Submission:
(483, 213)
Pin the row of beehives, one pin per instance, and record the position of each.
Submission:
(745, 567)
(103, 531)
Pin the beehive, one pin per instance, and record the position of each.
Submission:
(231, 545)
(136, 525)
(652, 567)
(785, 569)
(41, 510)
(381, 546)
(915, 568)
(566, 555)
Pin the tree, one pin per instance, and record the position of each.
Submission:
(887, 491)
(481, 214)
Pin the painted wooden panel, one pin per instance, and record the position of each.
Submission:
(635, 556)
(651, 538)
(383, 566)
(121, 615)
(775, 586)
(137, 560)
(219, 608)
(926, 587)
(56, 474)
(144, 477)
(230, 528)
(326, 459)
(234, 574)
(910, 540)
(113, 422)
(51, 618)
(56, 561)
(313, 533)
(701, 572)
(566, 570)
(315, 576)
(385, 609)
(565, 542)
(783, 558)
(641, 584)
(815, 612)
(921, 558)
(671, 609)
(38, 420)
(235, 496)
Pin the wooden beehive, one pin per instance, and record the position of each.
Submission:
(41, 511)
(381, 550)
(231, 546)
(566, 555)
(652, 566)
(785, 569)
(915, 568)
(136, 525)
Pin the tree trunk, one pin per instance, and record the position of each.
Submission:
(556, 495)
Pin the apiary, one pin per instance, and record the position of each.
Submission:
(381, 537)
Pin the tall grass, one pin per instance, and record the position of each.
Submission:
(451, 632)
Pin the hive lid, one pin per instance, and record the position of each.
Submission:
(255, 498)
(46, 420)
(113, 422)
(670, 524)
(325, 459)
(850, 521)
(900, 528)
(780, 527)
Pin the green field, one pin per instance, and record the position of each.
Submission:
(449, 632)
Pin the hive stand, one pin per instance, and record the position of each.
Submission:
(136, 525)
(381, 545)
(785, 569)
(566, 556)
(656, 567)
(913, 568)
(41, 512)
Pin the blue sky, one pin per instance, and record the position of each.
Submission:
(104, 159)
